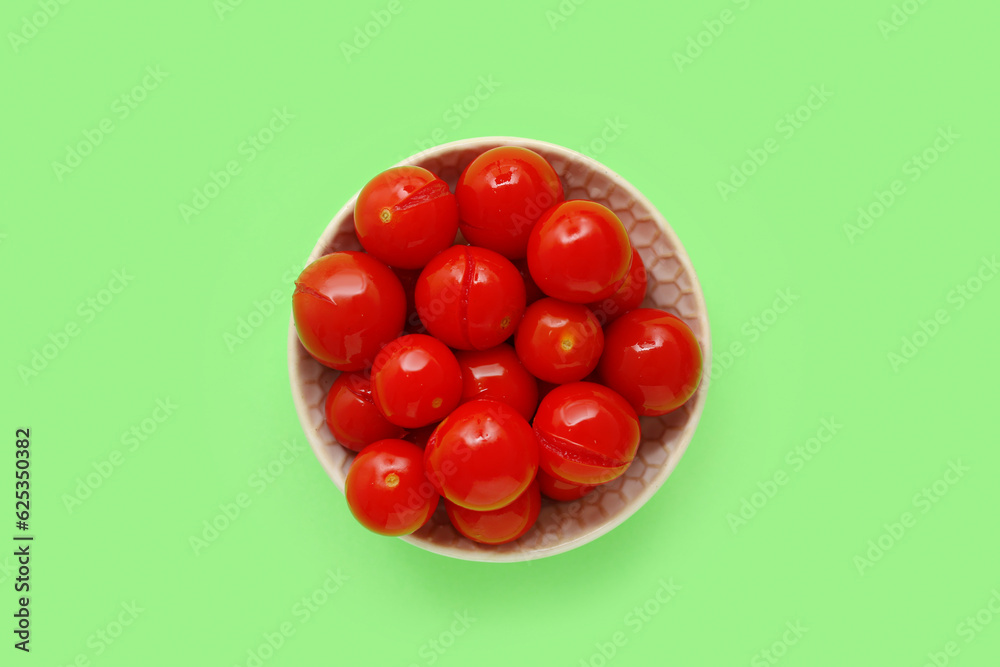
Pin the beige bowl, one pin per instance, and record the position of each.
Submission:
(673, 287)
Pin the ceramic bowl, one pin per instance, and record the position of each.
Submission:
(673, 287)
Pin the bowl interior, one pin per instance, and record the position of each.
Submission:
(673, 287)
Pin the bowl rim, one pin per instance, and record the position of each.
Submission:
(696, 409)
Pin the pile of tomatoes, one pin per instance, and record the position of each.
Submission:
(492, 372)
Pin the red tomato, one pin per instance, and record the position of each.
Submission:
(501, 194)
(588, 434)
(347, 305)
(471, 298)
(500, 525)
(628, 297)
(652, 359)
(579, 251)
(406, 215)
(497, 374)
(531, 291)
(483, 456)
(352, 416)
(556, 489)
(416, 381)
(387, 489)
(559, 342)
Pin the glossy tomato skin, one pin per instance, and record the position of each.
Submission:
(405, 216)
(347, 305)
(498, 526)
(387, 489)
(588, 433)
(556, 489)
(483, 456)
(559, 342)
(652, 358)
(416, 381)
(579, 251)
(470, 298)
(498, 374)
(501, 194)
(628, 297)
(352, 416)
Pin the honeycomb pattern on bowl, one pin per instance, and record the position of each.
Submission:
(673, 286)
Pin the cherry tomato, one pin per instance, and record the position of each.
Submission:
(588, 433)
(483, 456)
(501, 194)
(387, 489)
(352, 416)
(579, 251)
(628, 297)
(556, 489)
(470, 298)
(497, 374)
(347, 305)
(406, 215)
(559, 342)
(416, 381)
(531, 291)
(652, 359)
(498, 526)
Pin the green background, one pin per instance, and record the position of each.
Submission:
(684, 126)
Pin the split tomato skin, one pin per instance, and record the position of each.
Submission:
(652, 358)
(559, 342)
(579, 252)
(416, 381)
(351, 414)
(498, 374)
(498, 526)
(405, 216)
(556, 489)
(501, 194)
(628, 297)
(387, 489)
(346, 306)
(483, 456)
(588, 433)
(471, 298)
